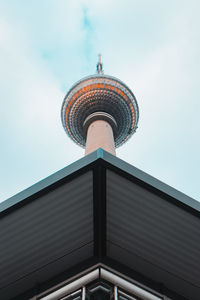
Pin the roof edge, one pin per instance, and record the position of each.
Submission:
(52, 179)
(151, 181)
(110, 159)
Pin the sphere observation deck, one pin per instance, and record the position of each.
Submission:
(100, 97)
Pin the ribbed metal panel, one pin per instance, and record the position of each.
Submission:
(147, 227)
(54, 226)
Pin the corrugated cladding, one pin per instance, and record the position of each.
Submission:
(146, 230)
(138, 225)
(56, 225)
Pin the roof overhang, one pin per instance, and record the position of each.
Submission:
(100, 210)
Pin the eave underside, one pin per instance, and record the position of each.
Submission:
(100, 214)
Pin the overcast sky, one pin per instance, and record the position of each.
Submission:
(151, 45)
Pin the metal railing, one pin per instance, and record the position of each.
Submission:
(120, 288)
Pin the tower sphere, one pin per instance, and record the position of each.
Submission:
(100, 97)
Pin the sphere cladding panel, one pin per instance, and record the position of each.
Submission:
(100, 93)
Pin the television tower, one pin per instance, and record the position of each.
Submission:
(100, 111)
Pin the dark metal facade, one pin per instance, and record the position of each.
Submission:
(100, 93)
(144, 231)
(46, 236)
(100, 210)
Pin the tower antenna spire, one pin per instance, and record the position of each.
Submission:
(99, 65)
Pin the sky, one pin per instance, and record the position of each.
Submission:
(151, 45)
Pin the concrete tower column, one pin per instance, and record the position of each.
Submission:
(100, 135)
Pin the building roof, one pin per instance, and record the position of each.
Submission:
(100, 210)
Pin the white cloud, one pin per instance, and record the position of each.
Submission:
(152, 46)
(30, 114)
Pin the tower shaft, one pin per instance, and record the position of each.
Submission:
(100, 135)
